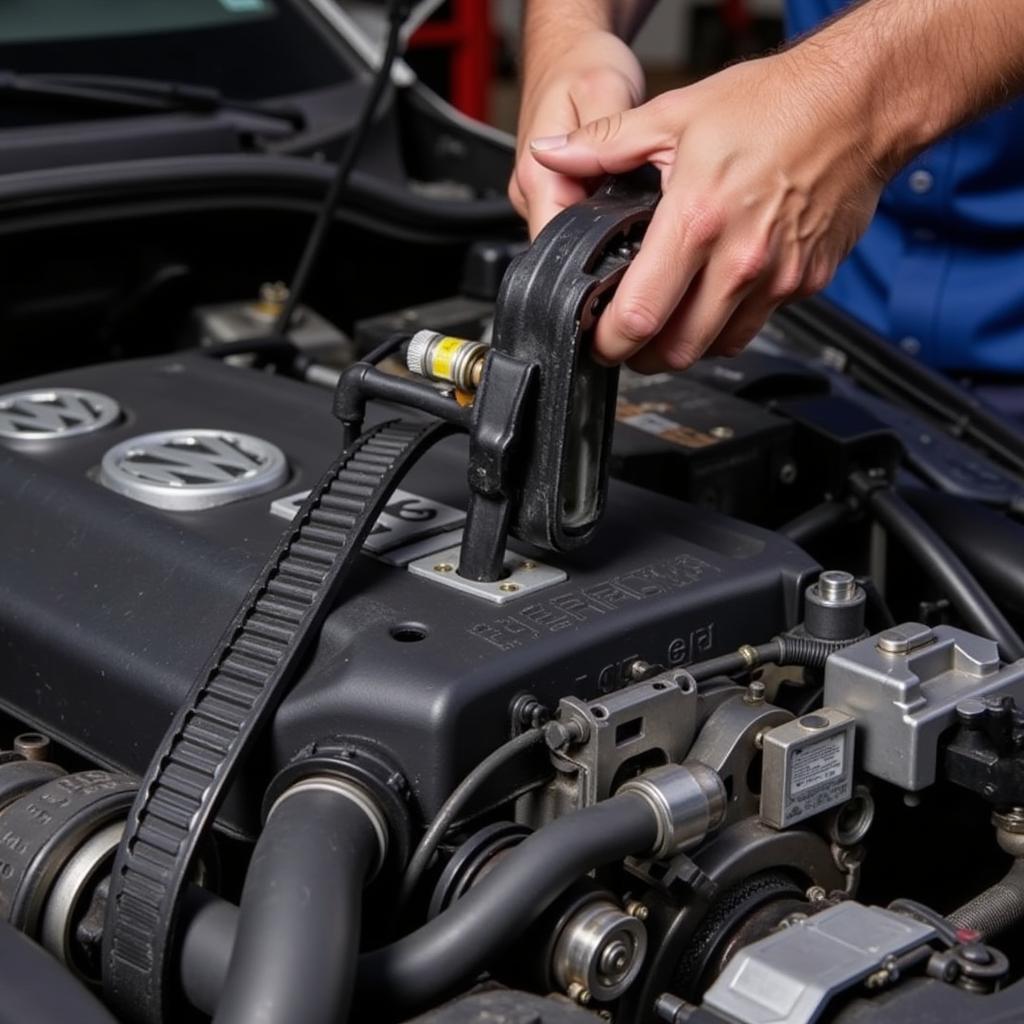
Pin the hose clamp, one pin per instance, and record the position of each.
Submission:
(688, 801)
(361, 797)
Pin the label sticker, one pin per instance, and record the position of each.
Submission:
(646, 417)
(817, 763)
(407, 517)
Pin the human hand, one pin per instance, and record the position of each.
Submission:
(768, 179)
(597, 77)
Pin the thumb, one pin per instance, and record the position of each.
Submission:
(608, 145)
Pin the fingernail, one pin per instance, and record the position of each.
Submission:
(549, 142)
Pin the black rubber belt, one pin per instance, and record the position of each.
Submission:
(232, 699)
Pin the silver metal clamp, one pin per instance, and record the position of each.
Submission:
(688, 801)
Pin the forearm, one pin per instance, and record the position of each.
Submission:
(910, 71)
(551, 27)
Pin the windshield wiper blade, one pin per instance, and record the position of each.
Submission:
(142, 94)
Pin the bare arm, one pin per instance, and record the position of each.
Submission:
(576, 68)
(772, 169)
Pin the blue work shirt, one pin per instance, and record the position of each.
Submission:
(940, 270)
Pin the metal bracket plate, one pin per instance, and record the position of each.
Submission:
(523, 576)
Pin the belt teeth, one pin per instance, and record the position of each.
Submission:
(243, 682)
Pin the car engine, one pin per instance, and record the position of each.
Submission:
(424, 669)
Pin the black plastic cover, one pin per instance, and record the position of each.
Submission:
(109, 608)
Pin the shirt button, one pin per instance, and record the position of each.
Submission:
(921, 182)
(910, 345)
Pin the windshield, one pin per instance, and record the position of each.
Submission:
(249, 49)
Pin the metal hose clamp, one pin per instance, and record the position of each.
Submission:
(361, 797)
(688, 801)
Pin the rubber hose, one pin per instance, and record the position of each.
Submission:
(458, 943)
(806, 651)
(426, 965)
(815, 521)
(455, 803)
(998, 909)
(208, 924)
(37, 987)
(940, 562)
(989, 542)
(299, 922)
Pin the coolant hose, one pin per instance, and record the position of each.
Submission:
(430, 962)
(423, 966)
(938, 560)
(810, 525)
(997, 909)
(299, 921)
(36, 987)
(990, 543)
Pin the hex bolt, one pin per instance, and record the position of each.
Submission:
(755, 692)
(508, 588)
(444, 567)
(638, 669)
(558, 735)
(976, 953)
(578, 994)
(638, 910)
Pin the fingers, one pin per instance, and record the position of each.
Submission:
(674, 251)
(611, 144)
(549, 196)
(727, 299)
(538, 192)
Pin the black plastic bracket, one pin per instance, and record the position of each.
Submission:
(540, 429)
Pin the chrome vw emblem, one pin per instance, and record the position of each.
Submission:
(184, 470)
(54, 414)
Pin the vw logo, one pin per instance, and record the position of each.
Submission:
(54, 414)
(185, 470)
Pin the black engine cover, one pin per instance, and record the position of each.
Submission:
(109, 607)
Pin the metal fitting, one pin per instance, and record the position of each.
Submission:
(71, 889)
(600, 951)
(33, 746)
(440, 357)
(688, 801)
(361, 797)
(1009, 826)
(673, 1010)
(834, 607)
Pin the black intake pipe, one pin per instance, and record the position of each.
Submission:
(428, 964)
(299, 923)
(36, 987)
(310, 936)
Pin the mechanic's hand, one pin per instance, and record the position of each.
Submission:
(598, 77)
(767, 183)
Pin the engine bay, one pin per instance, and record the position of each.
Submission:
(414, 667)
